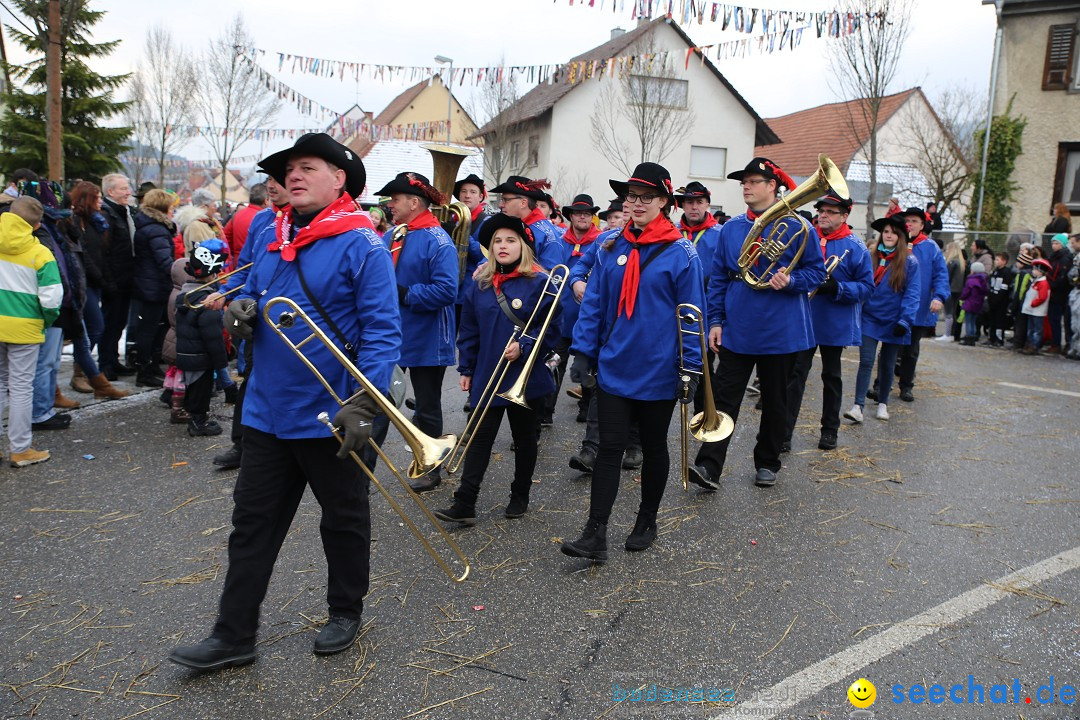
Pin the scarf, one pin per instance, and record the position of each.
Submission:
(338, 217)
(917, 240)
(660, 230)
(840, 232)
(689, 231)
(425, 219)
(477, 212)
(752, 216)
(885, 256)
(499, 278)
(535, 216)
(589, 236)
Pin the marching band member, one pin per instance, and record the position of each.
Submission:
(324, 237)
(520, 197)
(426, 264)
(757, 328)
(889, 314)
(627, 331)
(471, 191)
(504, 294)
(836, 309)
(613, 216)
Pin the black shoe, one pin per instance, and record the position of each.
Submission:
(592, 545)
(827, 441)
(122, 369)
(202, 425)
(336, 635)
(166, 397)
(59, 421)
(700, 476)
(467, 408)
(410, 403)
(632, 459)
(906, 396)
(871, 394)
(516, 508)
(427, 483)
(757, 405)
(213, 653)
(147, 377)
(110, 374)
(229, 459)
(230, 394)
(643, 534)
(584, 460)
(764, 477)
(457, 513)
(583, 415)
(547, 420)
(785, 447)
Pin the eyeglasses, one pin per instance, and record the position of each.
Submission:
(828, 211)
(751, 183)
(509, 198)
(643, 199)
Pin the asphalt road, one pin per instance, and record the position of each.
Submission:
(871, 561)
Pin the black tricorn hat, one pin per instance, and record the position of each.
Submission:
(896, 222)
(831, 198)
(646, 174)
(501, 221)
(472, 179)
(323, 146)
(693, 190)
(615, 205)
(767, 169)
(409, 183)
(917, 212)
(520, 185)
(582, 203)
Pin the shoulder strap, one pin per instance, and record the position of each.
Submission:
(347, 346)
(644, 265)
(505, 307)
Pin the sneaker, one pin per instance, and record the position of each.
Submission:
(754, 388)
(547, 420)
(854, 414)
(632, 458)
(29, 456)
(882, 411)
(584, 460)
(516, 508)
(458, 513)
(59, 421)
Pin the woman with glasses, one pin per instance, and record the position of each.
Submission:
(627, 334)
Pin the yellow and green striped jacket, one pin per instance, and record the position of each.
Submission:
(30, 289)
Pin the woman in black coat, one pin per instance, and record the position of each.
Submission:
(152, 284)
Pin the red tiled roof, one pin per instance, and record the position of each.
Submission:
(836, 129)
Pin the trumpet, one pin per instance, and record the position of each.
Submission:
(831, 264)
(709, 425)
(428, 453)
(219, 279)
(516, 393)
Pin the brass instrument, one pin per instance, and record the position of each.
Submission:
(215, 281)
(428, 453)
(831, 264)
(709, 425)
(516, 394)
(446, 161)
(773, 247)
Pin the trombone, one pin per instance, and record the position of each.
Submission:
(220, 278)
(709, 425)
(428, 453)
(516, 393)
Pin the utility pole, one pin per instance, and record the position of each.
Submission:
(53, 91)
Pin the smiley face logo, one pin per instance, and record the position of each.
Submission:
(862, 693)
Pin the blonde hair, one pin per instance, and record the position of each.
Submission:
(159, 200)
(955, 251)
(525, 267)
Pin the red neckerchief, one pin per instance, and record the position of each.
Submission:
(841, 232)
(883, 264)
(425, 219)
(918, 239)
(534, 216)
(499, 278)
(477, 212)
(752, 216)
(338, 217)
(689, 231)
(660, 230)
(590, 235)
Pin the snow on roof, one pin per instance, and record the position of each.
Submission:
(387, 158)
(909, 187)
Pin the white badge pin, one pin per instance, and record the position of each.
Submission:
(621, 260)
(516, 304)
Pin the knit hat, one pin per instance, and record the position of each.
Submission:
(978, 267)
(1061, 238)
(1024, 257)
(207, 258)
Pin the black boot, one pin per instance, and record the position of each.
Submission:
(584, 460)
(229, 459)
(149, 375)
(632, 458)
(592, 545)
(201, 424)
(213, 653)
(643, 534)
(458, 512)
(517, 507)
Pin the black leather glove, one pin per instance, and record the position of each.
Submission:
(688, 384)
(899, 330)
(354, 421)
(579, 368)
(829, 287)
(402, 293)
(240, 318)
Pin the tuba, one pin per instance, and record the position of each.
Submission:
(780, 238)
(447, 160)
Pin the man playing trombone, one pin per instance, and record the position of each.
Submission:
(325, 255)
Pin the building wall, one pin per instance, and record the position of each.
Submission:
(430, 106)
(1052, 115)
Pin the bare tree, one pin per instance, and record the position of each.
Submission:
(493, 106)
(568, 182)
(864, 64)
(654, 101)
(166, 80)
(944, 142)
(138, 159)
(230, 96)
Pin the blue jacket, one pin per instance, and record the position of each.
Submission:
(763, 322)
(547, 243)
(352, 276)
(581, 269)
(427, 270)
(485, 328)
(934, 280)
(154, 232)
(473, 259)
(249, 251)
(705, 242)
(885, 307)
(638, 357)
(838, 318)
(569, 303)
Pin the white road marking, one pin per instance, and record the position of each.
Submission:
(847, 663)
(1034, 388)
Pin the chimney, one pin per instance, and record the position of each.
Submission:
(617, 32)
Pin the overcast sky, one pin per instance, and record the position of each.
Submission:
(950, 44)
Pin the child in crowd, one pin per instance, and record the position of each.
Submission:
(973, 300)
(1074, 297)
(173, 394)
(1020, 283)
(200, 344)
(997, 316)
(1035, 305)
(30, 298)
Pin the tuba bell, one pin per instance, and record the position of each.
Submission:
(447, 160)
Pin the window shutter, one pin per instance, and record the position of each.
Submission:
(1057, 73)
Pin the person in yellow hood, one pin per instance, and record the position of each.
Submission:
(30, 297)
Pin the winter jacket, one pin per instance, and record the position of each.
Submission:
(88, 235)
(1018, 290)
(1000, 285)
(485, 328)
(705, 242)
(1058, 277)
(352, 277)
(569, 305)
(973, 296)
(427, 287)
(547, 241)
(887, 307)
(763, 322)
(473, 259)
(956, 276)
(1057, 224)
(69, 319)
(180, 276)
(236, 230)
(118, 257)
(250, 250)
(934, 280)
(638, 357)
(1036, 301)
(200, 344)
(838, 318)
(203, 228)
(30, 287)
(153, 256)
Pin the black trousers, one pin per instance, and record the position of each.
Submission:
(562, 348)
(1019, 330)
(832, 388)
(615, 415)
(523, 429)
(733, 373)
(236, 434)
(197, 394)
(151, 316)
(909, 356)
(427, 389)
(273, 475)
(699, 396)
(114, 308)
